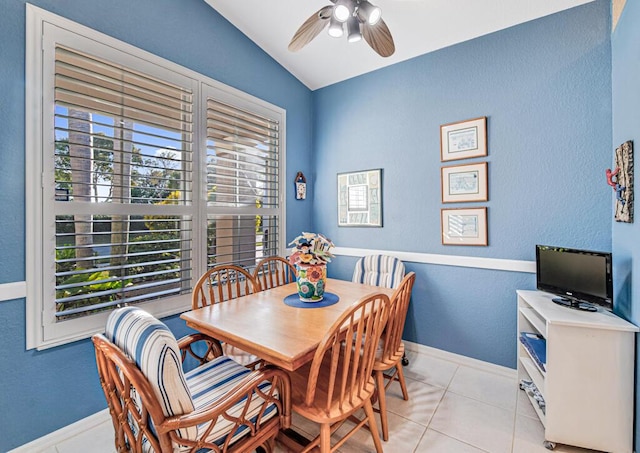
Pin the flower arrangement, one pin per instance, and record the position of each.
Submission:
(311, 249)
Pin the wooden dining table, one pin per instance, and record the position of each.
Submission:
(263, 325)
(283, 335)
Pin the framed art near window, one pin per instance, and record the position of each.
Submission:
(464, 183)
(463, 140)
(360, 198)
(464, 226)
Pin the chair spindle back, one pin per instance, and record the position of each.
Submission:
(392, 336)
(222, 283)
(352, 340)
(274, 271)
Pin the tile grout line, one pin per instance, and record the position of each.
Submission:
(459, 440)
(515, 420)
(484, 402)
(446, 389)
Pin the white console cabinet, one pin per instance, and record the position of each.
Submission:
(587, 381)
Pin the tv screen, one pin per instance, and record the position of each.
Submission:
(578, 276)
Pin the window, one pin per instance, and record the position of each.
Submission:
(143, 175)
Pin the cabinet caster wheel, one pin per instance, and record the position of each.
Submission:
(405, 361)
(549, 445)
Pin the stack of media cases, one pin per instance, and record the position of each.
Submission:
(536, 345)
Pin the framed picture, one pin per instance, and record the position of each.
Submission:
(621, 180)
(360, 198)
(464, 183)
(464, 139)
(464, 226)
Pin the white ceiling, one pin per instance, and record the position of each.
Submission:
(417, 26)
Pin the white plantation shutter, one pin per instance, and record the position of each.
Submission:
(123, 141)
(243, 184)
(140, 174)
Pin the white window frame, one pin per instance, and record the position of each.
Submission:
(42, 330)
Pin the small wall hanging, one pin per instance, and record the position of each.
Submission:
(621, 181)
(301, 186)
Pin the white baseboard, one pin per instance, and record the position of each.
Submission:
(460, 359)
(47, 443)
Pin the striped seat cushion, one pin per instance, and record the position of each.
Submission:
(379, 270)
(152, 346)
(213, 380)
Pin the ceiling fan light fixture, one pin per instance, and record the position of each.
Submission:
(363, 23)
(343, 10)
(369, 13)
(335, 28)
(353, 29)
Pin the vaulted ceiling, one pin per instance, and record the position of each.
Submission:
(417, 26)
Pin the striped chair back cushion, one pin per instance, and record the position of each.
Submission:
(379, 270)
(150, 344)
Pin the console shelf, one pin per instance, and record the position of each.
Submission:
(588, 382)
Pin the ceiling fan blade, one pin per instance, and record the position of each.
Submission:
(379, 38)
(310, 28)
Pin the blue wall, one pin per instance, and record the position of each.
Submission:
(545, 87)
(625, 53)
(43, 391)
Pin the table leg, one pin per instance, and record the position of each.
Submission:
(292, 440)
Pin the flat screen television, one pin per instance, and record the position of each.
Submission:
(582, 278)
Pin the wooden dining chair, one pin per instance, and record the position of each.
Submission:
(391, 349)
(380, 270)
(274, 271)
(220, 284)
(339, 380)
(156, 406)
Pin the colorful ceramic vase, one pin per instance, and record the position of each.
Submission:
(312, 279)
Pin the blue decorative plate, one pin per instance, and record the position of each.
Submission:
(293, 300)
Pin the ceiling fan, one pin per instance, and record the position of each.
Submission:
(362, 20)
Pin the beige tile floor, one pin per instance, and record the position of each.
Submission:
(452, 408)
